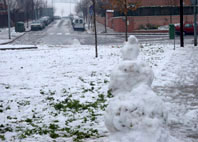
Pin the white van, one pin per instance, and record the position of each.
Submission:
(78, 24)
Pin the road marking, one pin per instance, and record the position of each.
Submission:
(59, 33)
(67, 33)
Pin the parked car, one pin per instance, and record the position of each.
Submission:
(46, 20)
(188, 29)
(78, 24)
(37, 25)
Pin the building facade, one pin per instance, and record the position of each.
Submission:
(150, 15)
(3, 14)
(148, 3)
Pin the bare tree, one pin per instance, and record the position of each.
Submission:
(14, 9)
(124, 6)
(83, 6)
(38, 4)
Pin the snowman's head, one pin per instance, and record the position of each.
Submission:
(132, 40)
(130, 51)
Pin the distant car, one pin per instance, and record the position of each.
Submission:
(37, 25)
(57, 17)
(46, 20)
(71, 17)
(78, 24)
(188, 29)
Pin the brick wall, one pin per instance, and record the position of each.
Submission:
(118, 23)
(109, 16)
(100, 19)
(158, 20)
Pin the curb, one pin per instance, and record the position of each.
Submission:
(20, 48)
(122, 34)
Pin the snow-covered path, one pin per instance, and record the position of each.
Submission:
(177, 81)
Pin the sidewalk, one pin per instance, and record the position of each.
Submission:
(177, 81)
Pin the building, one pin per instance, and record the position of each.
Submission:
(2, 7)
(148, 3)
(3, 14)
(150, 15)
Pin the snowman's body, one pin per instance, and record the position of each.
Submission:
(135, 113)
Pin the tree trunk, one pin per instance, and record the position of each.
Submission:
(105, 22)
(171, 19)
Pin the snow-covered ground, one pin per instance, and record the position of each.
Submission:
(60, 93)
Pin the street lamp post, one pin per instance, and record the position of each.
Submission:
(70, 7)
(181, 24)
(195, 23)
(9, 33)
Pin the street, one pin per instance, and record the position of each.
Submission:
(60, 32)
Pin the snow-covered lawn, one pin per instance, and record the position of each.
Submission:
(60, 93)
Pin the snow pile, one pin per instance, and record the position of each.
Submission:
(136, 113)
(76, 42)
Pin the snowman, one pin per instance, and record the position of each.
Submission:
(135, 113)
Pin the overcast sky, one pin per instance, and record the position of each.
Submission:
(64, 7)
(66, 1)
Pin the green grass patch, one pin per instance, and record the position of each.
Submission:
(2, 137)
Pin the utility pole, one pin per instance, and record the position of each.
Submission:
(95, 30)
(126, 21)
(53, 6)
(195, 23)
(9, 33)
(181, 24)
